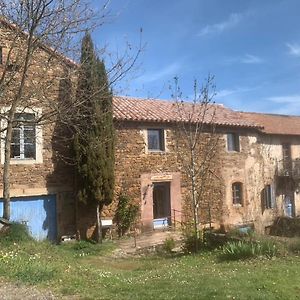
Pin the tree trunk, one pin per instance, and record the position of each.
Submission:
(11, 116)
(6, 167)
(99, 225)
(78, 236)
(194, 200)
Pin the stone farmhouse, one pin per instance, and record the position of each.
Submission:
(258, 164)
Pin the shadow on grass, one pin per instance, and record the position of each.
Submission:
(87, 248)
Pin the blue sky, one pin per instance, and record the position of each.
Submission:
(252, 47)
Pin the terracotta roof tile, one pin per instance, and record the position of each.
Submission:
(275, 124)
(132, 109)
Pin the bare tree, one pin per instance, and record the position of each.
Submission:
(33, 34)
(196, 145)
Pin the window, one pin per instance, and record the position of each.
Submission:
(23, 145)
(268, 199)
(286, 152)
(233, 142)
(237, 193)
(156, 140)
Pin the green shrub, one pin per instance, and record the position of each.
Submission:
(16, 233)
(294, 246)
(169, 245)
(213, 240)
(285, 226)
(126, 214)
(248, 249)
(266, 248)
(86, 248)
(191, 243)
(206, 241)
(238, 250)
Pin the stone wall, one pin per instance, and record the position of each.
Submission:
(137, 170)
(255, 166)
(50, 174)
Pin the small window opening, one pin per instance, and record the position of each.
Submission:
(23, 145)
(237, 193)
(268, 199)
(233, 142)
(1, 55)
(156, 140)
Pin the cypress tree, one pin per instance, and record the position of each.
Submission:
(94, 136)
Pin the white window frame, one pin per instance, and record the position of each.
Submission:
(38, 138)
(233, 193)
(161, 139)
(145, 135)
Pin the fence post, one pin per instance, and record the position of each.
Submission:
(174, 212)
(134, 235)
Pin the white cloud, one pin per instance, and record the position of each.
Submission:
(294, 49)
(288, 99)
(291, 109)
(230, 92)
(287, 105)
(246, 59)
(166, 72)
(233, 20)
(251, 59)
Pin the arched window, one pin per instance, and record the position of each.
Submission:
(237, 193)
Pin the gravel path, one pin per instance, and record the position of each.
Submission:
(129, 247)
(11, 291)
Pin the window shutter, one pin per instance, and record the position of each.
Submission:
(237, 142)
(1, 55)
(273, 196)
(263, 200)
(230, 142)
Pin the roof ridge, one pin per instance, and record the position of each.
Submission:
(44, 46)
(269, 114)
(165, 100)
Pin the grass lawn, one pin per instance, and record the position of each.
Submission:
(88, 271)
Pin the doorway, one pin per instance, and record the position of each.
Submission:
(161, 204)
(289, 205)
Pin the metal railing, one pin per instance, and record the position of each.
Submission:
(288, 168)
(177, 221)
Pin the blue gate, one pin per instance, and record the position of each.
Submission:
(37, 212)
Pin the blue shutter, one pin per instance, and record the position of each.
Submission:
(38, 213)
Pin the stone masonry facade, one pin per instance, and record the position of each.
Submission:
(254, 166)
(239, 180)
(47, 174)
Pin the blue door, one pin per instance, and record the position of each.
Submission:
(38, 213)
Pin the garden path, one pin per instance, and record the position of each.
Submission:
(143, 242)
